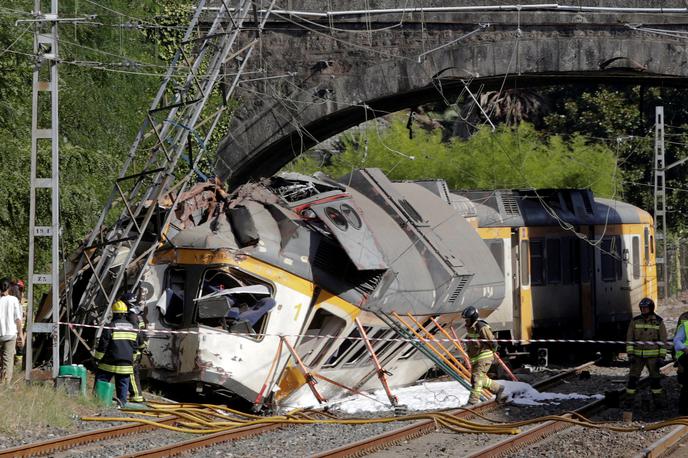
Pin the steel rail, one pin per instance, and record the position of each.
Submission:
(415, 430)
(421, 428)
(666, 444)
(86, 437)
(533, 435)
(205, 441)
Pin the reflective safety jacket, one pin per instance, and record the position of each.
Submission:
(642, 330)
(480, 350)
(137, 321)
(116, 347)
(681, 319)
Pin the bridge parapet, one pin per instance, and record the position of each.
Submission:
(319, 75)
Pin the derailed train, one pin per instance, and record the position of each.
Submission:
(295, 261)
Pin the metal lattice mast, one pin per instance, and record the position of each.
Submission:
(44, 134)
(660, 205)
(151, 170)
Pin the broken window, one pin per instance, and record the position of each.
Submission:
(234, 301)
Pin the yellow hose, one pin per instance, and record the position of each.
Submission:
(207, 419)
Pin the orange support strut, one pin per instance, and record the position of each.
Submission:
(432, 338)
(309, 377)
(381, 373)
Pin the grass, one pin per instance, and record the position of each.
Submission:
(39, 406)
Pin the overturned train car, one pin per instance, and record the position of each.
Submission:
(303, 258)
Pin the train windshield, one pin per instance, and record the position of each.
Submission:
(231, 300)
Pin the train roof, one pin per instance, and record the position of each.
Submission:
(550, 207)
(381, 245)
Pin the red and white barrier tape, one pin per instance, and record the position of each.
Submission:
(154, 331)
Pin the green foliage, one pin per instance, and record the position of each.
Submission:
(101, 108)
(624, 117)
(172, 17)
(507, 158)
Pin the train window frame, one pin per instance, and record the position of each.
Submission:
(524, 260)
(384, 343)
(337, 217)
(373, 334)
(635, 256)
(618, 246)
(496, 247)
(570, 261)
(587, 256)
(168, 282)
(610, 265)
(407, 353)
(646, 241)
(240, 276)
(329, 324)
(351, 215)
(351, 339)
(553, 271)
(537, 261)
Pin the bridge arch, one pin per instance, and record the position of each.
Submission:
(334, 86)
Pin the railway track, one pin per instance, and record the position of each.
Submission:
(89, 437)
(667, 445)
(75, 440)
(543, 430)
(421, 428)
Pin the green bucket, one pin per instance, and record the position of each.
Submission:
(104, 392)
(76, 370)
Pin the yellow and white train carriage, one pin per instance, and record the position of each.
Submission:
(574, 266)
(304, 258)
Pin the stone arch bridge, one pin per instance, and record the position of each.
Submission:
(325, 66)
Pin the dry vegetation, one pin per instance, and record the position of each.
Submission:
(40, 407)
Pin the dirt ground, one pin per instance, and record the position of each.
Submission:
(671, 308)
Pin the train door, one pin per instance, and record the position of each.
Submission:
(611, 297)
(523, 324)
(515, 284)
(587, 283)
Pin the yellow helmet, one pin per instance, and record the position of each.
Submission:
(119, 307)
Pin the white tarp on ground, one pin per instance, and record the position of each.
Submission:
(438, 395)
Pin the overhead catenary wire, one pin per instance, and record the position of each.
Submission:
(300, 130)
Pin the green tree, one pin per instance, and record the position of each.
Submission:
(507, 158)
(111, 71)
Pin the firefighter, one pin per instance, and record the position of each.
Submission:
(115, 351)
(134, 316)
(481, 354)
(646, 346)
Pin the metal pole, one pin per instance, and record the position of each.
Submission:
(46, 51)
(660, 206)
